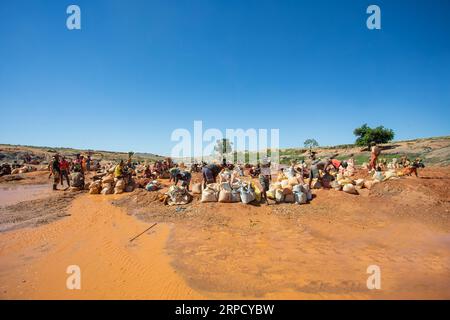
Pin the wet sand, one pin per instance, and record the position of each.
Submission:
(235, 251)
(96, 238)
(13, 194)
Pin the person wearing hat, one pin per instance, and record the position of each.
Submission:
(55, 171)
(265, 177)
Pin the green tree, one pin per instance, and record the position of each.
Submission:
(310, 143)
(223, 147)
(366, 135)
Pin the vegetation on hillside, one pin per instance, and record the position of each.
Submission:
(367, 135)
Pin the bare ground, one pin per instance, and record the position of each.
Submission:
(316, 251)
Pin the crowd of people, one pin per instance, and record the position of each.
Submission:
(229, 182)
(311, 170)
(61, 168)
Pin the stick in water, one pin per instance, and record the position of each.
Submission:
(144, 231)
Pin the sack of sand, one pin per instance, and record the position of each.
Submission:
(107, 191)
(108, 178)
(120, 186)
(300, 198)
(210, 193)
(349, 188)
(359, 183)
(95, 187)
(197, 188)
(289, 198)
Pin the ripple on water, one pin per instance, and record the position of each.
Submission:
(14, 194)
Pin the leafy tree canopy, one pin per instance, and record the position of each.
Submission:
(366, 135)
(311, 143)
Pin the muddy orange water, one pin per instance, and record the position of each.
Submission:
(95, 237)
(16, 193)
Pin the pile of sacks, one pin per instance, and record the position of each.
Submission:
(391, 174)
(351, 186)
(228, 193)
(215, 192)
(110, 185)
(290, 190)
(348, 185)
(23, 169)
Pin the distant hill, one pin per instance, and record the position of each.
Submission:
(9, 153)
(434, 151)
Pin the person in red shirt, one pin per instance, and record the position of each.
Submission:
(337, 164)
(64, 168)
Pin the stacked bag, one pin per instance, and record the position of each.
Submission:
(227, 193)
(153, 186)
(95, 187)
(289, 189)
(247, 193)
(119, 186)
(177, 196)
(210, 193)
(109, 185)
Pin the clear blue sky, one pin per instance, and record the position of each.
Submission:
(139, 69)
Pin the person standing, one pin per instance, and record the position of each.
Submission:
(64, 171)
(88, 163)
(265, 177)
(55, 171)
(374, 154)
(83, 164)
